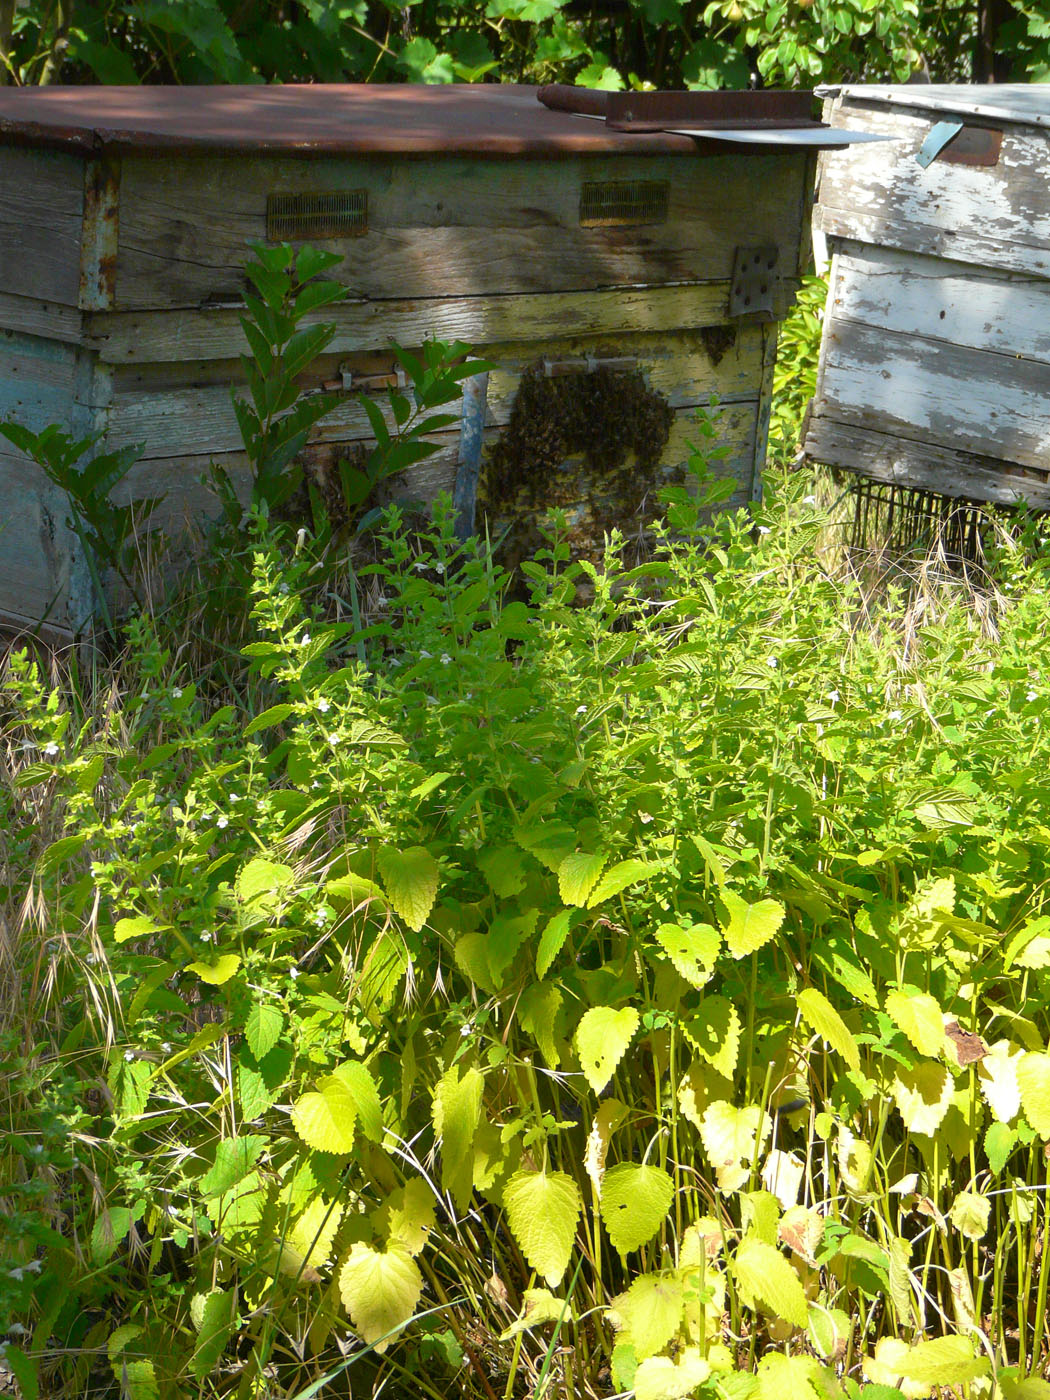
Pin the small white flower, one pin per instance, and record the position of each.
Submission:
(293, 973)
(466, 1030)
(445, 658)
(177, 693)
(282, 588)
(206, 936)
(1032, 695)
(304, 640)
(51, 749)
(439, 567)
(314, 784)
(809, 500)
(833, 696)
(220, 822)
(234, 797)
(333, 739)
(895, 714)
(321, 917)
(129, 1054)
(772, 662)
(324, 705)
(581, 709)
(16, 1274)
(763, 529)
(645, 818)
(420, 565)
(165, 1045)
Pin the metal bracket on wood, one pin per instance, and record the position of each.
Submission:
(754, 281)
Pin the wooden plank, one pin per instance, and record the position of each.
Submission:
(41, 200)
(925, 466)
(466, 227)
(34, 544)
(877, 193)
(150, 337)
(36, 380)
(994, 405)
(765, 407)
(199, 418)
(1003, 313)
(30, 316)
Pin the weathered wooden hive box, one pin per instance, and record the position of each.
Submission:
(539, 236)
(935, 363)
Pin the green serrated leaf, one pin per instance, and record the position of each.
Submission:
(1033, 1081)
(326, 1117)
(380, 1290)
(552, 939)
(821, 1017)
(217, 972)
(764, 1277)
(714, 1033)
(411, 881)
(601, 1040)
(263, 1028)
(620, 877)
(750, 926)
(919, 1017)
(634, 1204)
(234, 1158)
(693, 951)
(648, 1315)
(943, 1361)
(457, 1114)
(543, 1209)
(216, 1329)
(578, 874)
(276, 714)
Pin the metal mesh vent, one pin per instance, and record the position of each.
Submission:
(607, 202)
(335, 214)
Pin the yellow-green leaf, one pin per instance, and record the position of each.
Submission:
(635, 1200)
(750, 926)
(139, 927)
(923, 1095)
(970, 1213)
(729, 1136)
(538, 1305)
(821, 1017)
(407, 1215)
(763, 1276)
(619, 877)
(366, 1097)
(325, 1118)
(308, 1245)
(457, 1113)
(693, 951)
(714, 1032)
(380, 1290)
(997, 1077)
(943, 1361)
(601, 1041)
(660, 1378)
(411, 881)
(1033, 1081)
(542, 1210)
(578, 874)
(648, 1315)
(553, 936)
(919, 1018)
(218, 972)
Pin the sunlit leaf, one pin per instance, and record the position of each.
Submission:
(542, 1211)
(410, 878)
(635, 1200)
(648, 1314)
(714, 1032)
(922, 1095)
(380, 1290)
(920, 1018)
(602, 1038)
(578, 874)
(1033, 1081)
(693, 950)
(764, 1277)
(821, 1017)
(750, 926)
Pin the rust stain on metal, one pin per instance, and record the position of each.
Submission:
(974, 145)
(655, 111)
(99, 234)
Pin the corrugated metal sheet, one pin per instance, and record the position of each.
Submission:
(1005, 102)
(396, 119)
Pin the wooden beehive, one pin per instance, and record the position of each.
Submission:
(935, 363)
(535, 235)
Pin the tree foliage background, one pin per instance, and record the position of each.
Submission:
(595, 43)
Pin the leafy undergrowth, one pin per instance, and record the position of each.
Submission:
(644, 993)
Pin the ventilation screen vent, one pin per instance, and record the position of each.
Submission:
(607, 202)
(338, 214)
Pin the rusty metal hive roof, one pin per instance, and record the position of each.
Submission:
(368, 119)
(400, 119)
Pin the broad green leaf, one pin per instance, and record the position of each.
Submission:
(732, 1139)
(366, 1097)
(1033, 931)
(660, 1378)
(763, 1276)
(578, 874)
(139, 927)
(970, 1213)
(538, 1009)
(263, 1028)
(457, 1113)
(407, 1215)
(601, 1041)
(884, 1371)
(619, 877)
(24, 1370)
(505, 936)
(821, 1017)
(828, 1331)
(551, 940)
(919, 1017)
(635, 1200)
(1033, 1081)
(648, 1315)
(63, 849)
(943, 1361)
(750, 926)
(1031, 1388)
(262, 884)
(922, 1095)
(538, 1305)
(259, 1082)
(411, 881)
(325, 1118)
(217, 972)
(308, 1244)
(276, 714)
(504, 869)
(216, 1329)
(999, 1141)
(380, 1290)
(714, 1032)
(234, 1159)
(760, 1215)
(108, 1232)
(693, 951)
(543, 1209)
